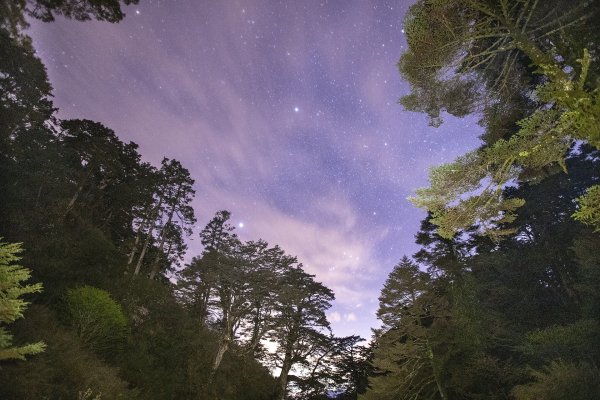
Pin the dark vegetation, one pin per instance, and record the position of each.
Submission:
(501, 302)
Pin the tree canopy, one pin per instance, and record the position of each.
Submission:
(527, 69)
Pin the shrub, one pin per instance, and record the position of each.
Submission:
(97, 319)
(64, 371)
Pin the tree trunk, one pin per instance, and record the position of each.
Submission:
(77, 193)
(281, 388)
(223, 347)
(148, 238)
(143, 253)
(39, 194)
(135, 245)
(202, 304)
(256, 331)
(163, 232)
(74, 198)
(436, 375)
(154, 269)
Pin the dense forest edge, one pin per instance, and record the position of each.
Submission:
(502, 301)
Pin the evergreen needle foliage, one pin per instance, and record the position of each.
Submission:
(12, 305)
(470, 56)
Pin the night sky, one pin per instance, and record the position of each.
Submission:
(285, 113)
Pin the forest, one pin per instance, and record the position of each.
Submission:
(501, 301)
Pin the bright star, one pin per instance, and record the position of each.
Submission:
(296, 109)
(137, 12)
(241, 224)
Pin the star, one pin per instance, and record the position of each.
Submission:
(137, 12)
(296, 109)
(241, 224)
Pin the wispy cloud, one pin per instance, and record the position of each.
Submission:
(215, 85)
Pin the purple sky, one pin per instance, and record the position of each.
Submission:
(285, 113)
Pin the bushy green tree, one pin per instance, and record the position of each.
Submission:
(12, 305)
(97, 319)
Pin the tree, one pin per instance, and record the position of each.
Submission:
(102, 10)
(400, 292)
(406, 353)
(220, 281)
(486, 49)
(11, 305)
(103, 171)
(166, 218)
(64, 370)
(12, 14)
(313, 377)
(177, 193)
(145, 211)
(95, 153)
(528, 300)
(268, 265)
(300, 320)
(24, 90)
(531, 277)
(335, 366)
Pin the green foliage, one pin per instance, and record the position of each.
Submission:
(458, 43)
(484, 313)
(560, 380)
(65, 370)
(88, 394)
(24, 88)
(575, 341)
(406, 354)
(578, 100)
(469, 191)
(430, 27)
(589, 208)
(169, 354)
(97, 319)
(585, 249)
(12, 305)
(488, 45)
